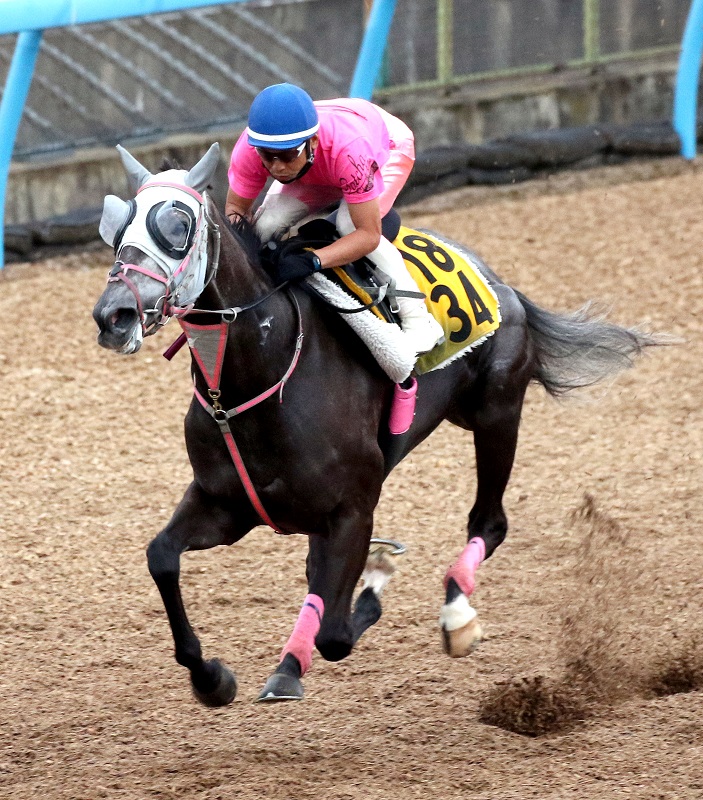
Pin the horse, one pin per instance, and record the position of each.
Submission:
(286, 423)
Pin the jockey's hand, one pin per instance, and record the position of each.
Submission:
(295, 266)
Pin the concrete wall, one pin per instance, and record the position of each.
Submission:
(40, 190)
(623, 93)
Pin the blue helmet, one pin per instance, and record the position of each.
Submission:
(282, 116)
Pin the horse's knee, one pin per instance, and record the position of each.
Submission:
(162, 560)
(335, 640)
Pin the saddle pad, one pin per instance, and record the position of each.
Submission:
(387, 343)
(456, 292)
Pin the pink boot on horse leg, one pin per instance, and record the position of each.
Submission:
(296, 657)
(461, 631)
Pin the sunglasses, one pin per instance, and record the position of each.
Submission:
(286, 156)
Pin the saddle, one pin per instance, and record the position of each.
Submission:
(448, 277)
(362, 279)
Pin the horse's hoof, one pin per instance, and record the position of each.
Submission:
(461, 630)
(281, 687)
(225, 689)
(461, 642)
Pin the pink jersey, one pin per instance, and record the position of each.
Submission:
(354, 145)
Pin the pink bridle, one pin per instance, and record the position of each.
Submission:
(120, 269)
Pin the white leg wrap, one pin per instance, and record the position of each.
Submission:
(387, 258)
(457, 614)
(422, 330)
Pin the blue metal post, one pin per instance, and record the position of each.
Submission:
(17, 14)
(17, 86)
(373, 45)
(686, 91)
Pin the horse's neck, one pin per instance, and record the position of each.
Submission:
(261, 340)
(237, 281)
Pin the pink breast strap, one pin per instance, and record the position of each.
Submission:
(209, 361)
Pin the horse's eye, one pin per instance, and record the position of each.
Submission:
(174, 225)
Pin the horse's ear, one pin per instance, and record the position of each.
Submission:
(117, 214)
(137, 175)
(201, 174)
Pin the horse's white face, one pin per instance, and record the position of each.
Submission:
(160, 240)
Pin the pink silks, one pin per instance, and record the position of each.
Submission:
(302, 641)
(464, 568)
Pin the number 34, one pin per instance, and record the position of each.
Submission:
(441, 259)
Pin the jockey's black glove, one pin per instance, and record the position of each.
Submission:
(295, 266)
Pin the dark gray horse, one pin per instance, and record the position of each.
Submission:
(286, 426)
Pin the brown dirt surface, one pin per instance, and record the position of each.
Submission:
(589, 683)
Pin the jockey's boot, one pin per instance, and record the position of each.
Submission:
(420, 327)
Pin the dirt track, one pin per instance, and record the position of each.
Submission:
(94, 705)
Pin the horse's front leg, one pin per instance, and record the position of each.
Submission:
(335, 564)
(198, 523)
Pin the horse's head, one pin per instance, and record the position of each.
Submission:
(160, 239)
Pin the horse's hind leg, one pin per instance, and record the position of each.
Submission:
(197, 524)
(367, 608)
(495, 425)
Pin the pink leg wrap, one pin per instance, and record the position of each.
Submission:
(465, 566)
(302, 640)
(403, 408)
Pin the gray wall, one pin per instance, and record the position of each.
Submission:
(102, 84)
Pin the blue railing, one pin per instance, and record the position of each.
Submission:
(29, 18)
(686, 92)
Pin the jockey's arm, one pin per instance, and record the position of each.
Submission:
(237, 206)
(360, 242)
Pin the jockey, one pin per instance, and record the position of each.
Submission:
(319, 153)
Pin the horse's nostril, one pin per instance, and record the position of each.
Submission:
(122, 319)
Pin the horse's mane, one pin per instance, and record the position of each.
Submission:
(245, 233)
(252, 243)
(243, 229)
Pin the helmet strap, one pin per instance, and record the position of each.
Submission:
(310, 154)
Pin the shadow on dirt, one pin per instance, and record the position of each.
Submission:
(600, 652)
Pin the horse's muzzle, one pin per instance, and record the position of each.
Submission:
(119, 327)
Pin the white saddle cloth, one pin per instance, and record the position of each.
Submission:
(386, 342)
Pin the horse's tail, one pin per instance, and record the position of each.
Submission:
(579, 349)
